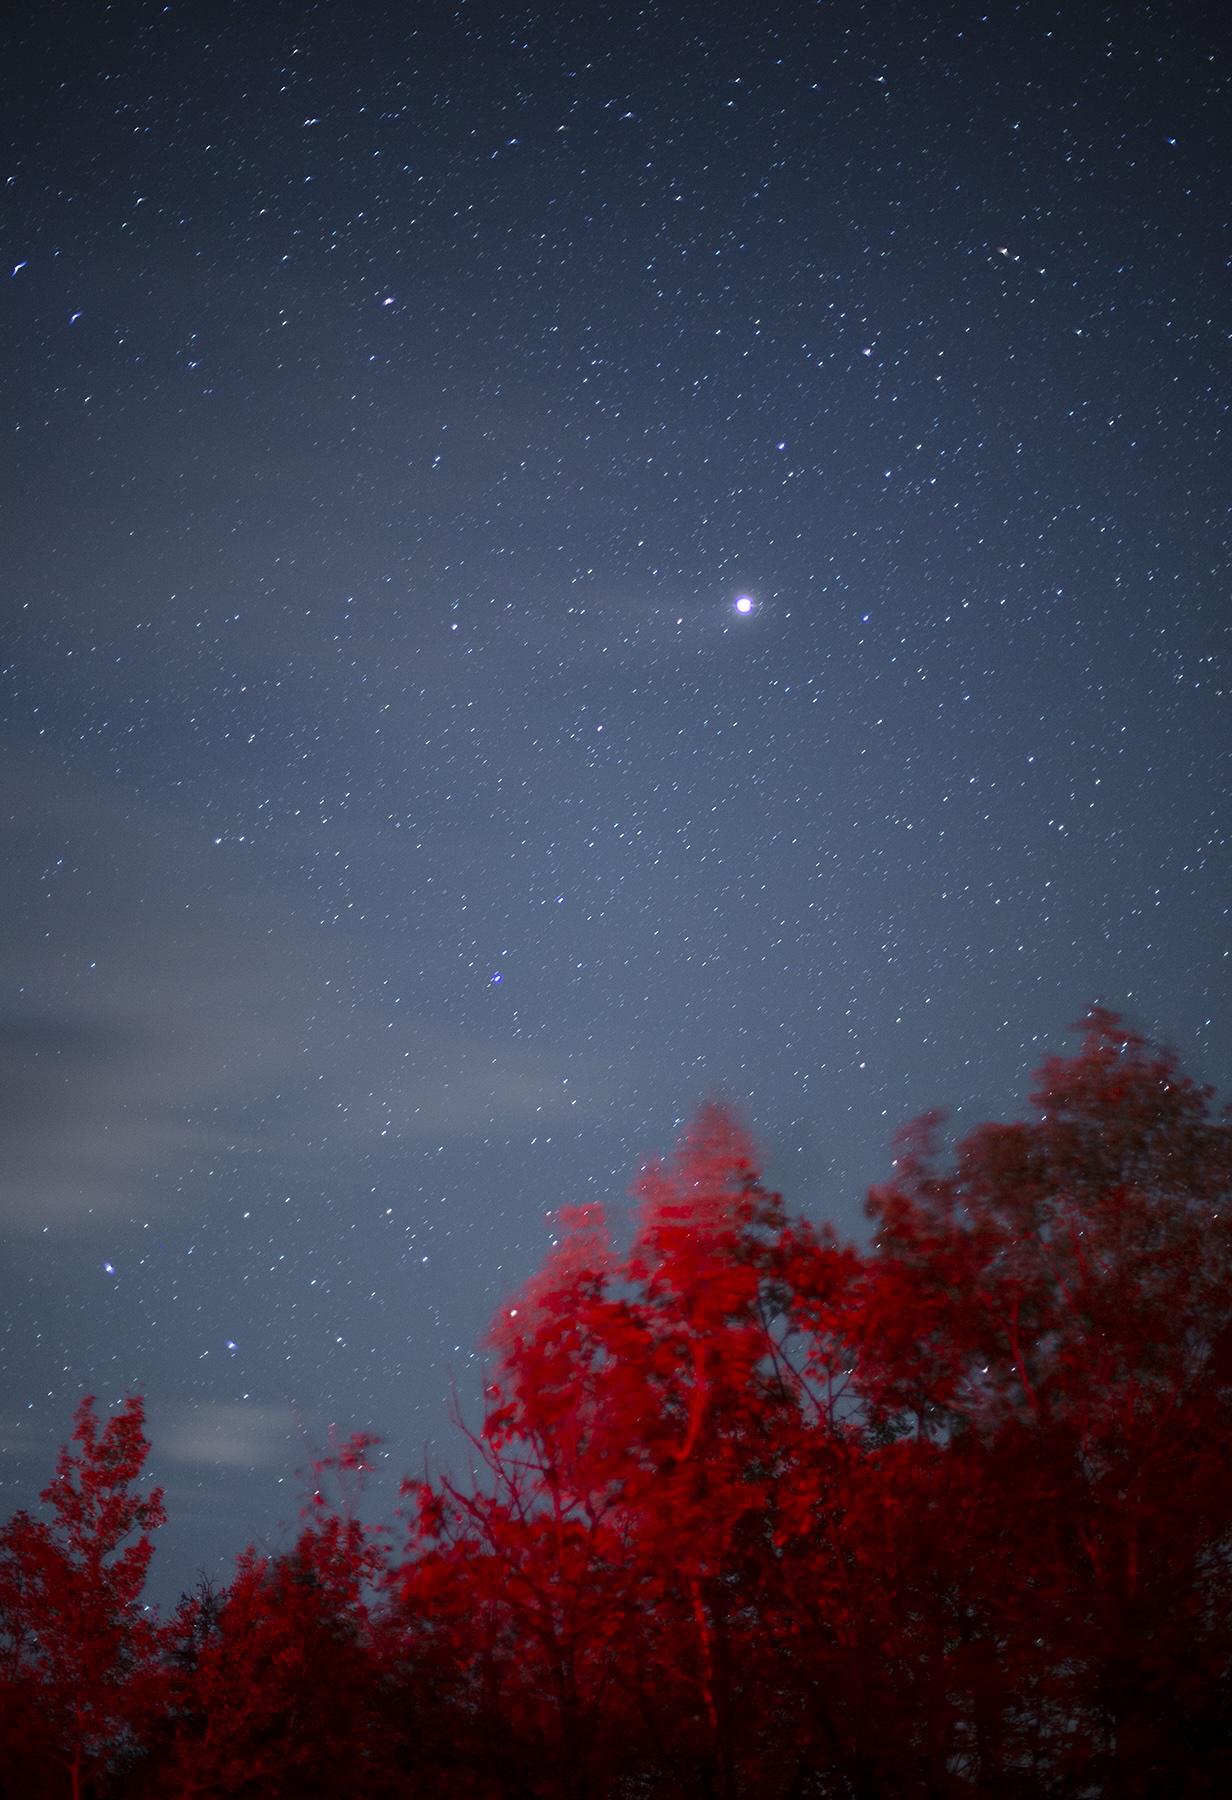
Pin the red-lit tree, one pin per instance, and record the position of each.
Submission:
(273, 1687)
(644, 1416)
(1049, 1317)
(79, 1676)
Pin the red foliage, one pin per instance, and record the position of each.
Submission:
(78, 1673)
(272, 1689)
(756, 1515)
(1054, 1308)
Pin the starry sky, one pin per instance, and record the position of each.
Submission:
(405, 826)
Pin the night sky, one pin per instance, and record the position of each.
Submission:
(404, 825)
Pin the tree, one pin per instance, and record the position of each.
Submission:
(275, 1683)
(641, 1422)
(1053, 1309)
(78, 1652)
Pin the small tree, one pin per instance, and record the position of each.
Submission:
(77, 1650)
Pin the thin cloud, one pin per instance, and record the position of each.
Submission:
(150, 1031)
(223, 1434)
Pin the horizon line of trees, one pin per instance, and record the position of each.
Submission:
(755, 1514)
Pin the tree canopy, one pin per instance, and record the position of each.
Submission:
(756, 1514)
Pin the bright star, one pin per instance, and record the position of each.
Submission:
(744, 604)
